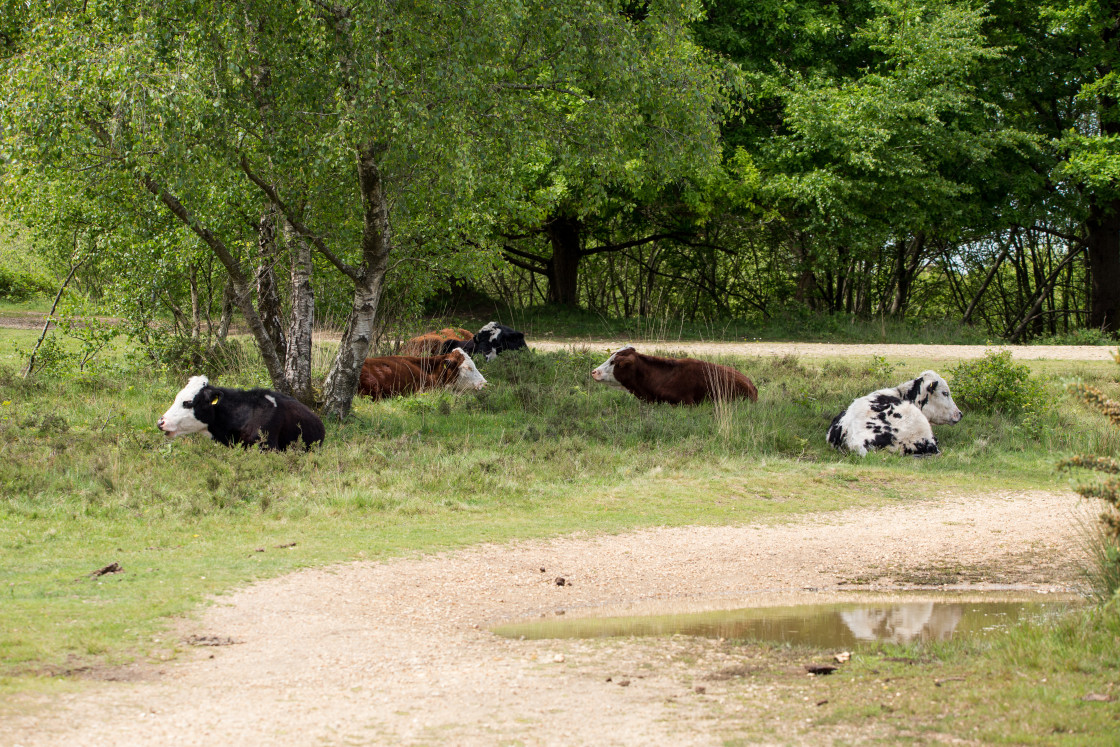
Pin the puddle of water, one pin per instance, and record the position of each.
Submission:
(837, 624)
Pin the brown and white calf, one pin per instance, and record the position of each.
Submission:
(393, 375)
(677, 381)
(432, 343)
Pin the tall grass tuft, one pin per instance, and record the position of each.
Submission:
(1104, 544)
(725, 406)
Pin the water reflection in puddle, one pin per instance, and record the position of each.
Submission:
(840, 624)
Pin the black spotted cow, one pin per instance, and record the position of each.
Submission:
(239, 416)
(495, 338)
(897, 419)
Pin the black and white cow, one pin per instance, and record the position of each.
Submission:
(240, 416)
(897, 419)
(497, 338)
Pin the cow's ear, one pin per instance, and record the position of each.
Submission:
(214, 395)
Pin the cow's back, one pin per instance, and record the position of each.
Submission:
(391, 375)
(291, 421)
(724, 382)
(261, 415)
(685, 381)
(431, 343)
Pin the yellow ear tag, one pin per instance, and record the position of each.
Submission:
(215, 400)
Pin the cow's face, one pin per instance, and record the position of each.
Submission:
(935, 400)
(605, 373)
(191, 410)
(486, 341)
(468, 378)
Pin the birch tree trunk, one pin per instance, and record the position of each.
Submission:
(342, 381)
(268, 295)
(297, 362)
(196, 311)
(227, 311)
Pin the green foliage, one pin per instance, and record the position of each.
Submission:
(52, 357)
(880, 368)
(995, 383)
(75, 341)
(76, 320)
(468, 126)
(176, 353)
(1077, 337)
(20, 285)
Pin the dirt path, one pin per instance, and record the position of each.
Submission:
(399, 652)
(835, 350)
(34, 320)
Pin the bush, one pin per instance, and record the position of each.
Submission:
(176, 353)
(1077, 337)
(995, 383)
(1105, 545)
(16, 285)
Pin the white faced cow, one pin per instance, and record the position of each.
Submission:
(394, 375)
(496, 338)
(677, 381)
(238, 416)
(897, 419)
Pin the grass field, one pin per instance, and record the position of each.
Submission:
(88, 481)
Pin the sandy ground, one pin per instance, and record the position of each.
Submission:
(830, 350)
(34, 320)
(400, 652)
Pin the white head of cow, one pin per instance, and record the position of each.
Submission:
(489, 335)
(605, 372)
(180, 420)
(469, 377)
(931, 395)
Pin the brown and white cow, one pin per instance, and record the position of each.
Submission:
(677, 381)
(392, 375)
(431, 343)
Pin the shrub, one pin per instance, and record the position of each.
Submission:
(995, 383)
(177, 353)
(1106, 546)
(17, 285)
(1077, 337)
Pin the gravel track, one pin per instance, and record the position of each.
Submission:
(830, 350)
(399, 652)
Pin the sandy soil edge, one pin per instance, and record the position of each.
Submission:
(399, 652)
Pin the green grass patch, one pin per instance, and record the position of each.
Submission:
(1042, 682)
(544, 450)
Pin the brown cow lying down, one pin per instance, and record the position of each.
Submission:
(402, 374)
(430, 343)
(678, 381)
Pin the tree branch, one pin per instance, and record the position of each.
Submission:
(629, 244)
(316, 240)
(524, 265)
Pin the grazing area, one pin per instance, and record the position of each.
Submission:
(405, 256)
(543, 451)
